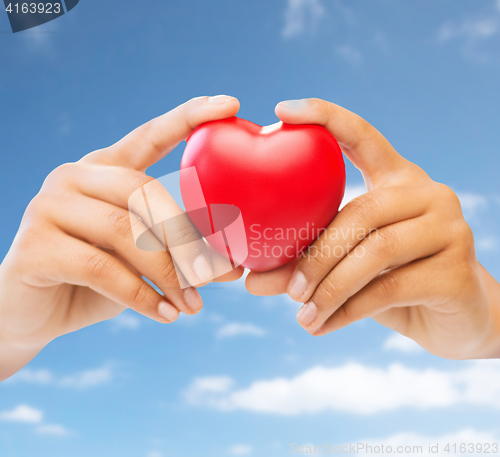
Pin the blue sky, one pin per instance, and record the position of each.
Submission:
(242, 378)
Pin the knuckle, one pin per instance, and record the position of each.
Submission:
(99, 155)
(59, 176)
(360, 208)
(347, 312)
(37, 206)
(169, 272)
(62, 171)
(44, 205)
(322, 108)
(316, 259)
(34, 243)
(154, 192)
(185, 233)
(119, 221)
(445, 195)
(364, 208)
(464, 233)
(141, 293)
(140, 180)
(146, 133)
(385, 286)
(386, 242)
(446, 192)
(464, 240)
(99, 266)
(190, 110)
(319, 104)
(329, 289)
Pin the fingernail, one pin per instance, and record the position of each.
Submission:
(202, 269)
(193, 299)
(297, 286)
(307, 314)
(167, 311)
(220, 99)
(295, 105)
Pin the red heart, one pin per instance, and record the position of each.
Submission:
(287, 180)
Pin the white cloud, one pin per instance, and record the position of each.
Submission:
(401, 343)
(355, 389)
(87, 378)
(40, 40)
(201, 387)
(52, 429)
(22, 413)
(154, 454)
(233, 329)
(350, 53)
(302, 16)
(80, 380)
(488, 243)
(29, 415)
(29, 376)
(472, 31)
(126, 321)
(472, 203)
(351, 192)
(240, 449)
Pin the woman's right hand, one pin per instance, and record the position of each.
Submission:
(74, 261)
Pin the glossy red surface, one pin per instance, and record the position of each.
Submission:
(287, 180)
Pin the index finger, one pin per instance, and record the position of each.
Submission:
(154, 140)
(362, 143)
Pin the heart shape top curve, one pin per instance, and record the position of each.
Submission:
(287, 180)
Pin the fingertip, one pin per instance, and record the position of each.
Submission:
(204, 109)
(226, 105)
(233, 106)
(290, 111)
(221, 99)
(193, 300)
(167, 312)
(249, 284)
(232, 275)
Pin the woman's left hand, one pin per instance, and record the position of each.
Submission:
(401, 253)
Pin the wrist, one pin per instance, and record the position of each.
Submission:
(14, 356)
(18, 346)
(490, 349)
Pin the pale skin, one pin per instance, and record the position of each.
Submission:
(73, 262)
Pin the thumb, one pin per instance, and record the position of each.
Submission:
(362, 143)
